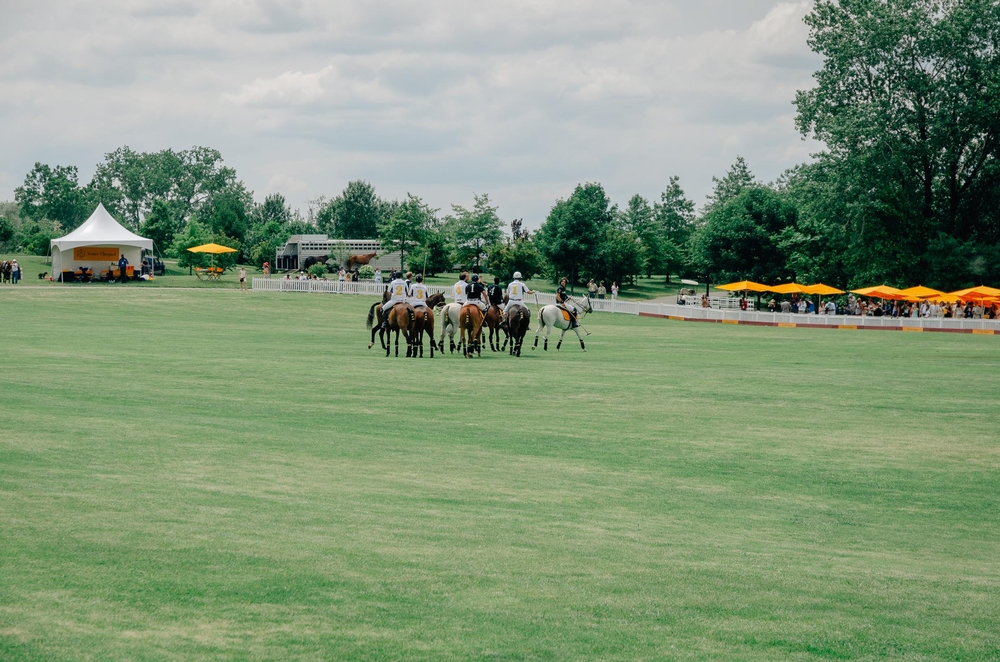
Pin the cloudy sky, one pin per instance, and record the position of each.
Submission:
(521, 99)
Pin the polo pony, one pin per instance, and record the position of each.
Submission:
(449, 325)
(423, 322)
(553, 317)
(518, 323)
(470, 325)
(492, 322)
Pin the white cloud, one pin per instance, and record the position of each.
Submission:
(522, 99)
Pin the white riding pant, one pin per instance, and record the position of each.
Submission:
(387, 306)
(511, 302)
(479, 304)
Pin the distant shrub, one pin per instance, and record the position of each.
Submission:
(366, 271)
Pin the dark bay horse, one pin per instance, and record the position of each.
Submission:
(492, 322)
(518, 322)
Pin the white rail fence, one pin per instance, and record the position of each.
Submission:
(737, 316)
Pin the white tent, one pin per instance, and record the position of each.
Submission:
(97, 244)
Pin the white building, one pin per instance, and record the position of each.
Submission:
(300, 247)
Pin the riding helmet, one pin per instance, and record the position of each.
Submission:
(475, 278)
(517, 275)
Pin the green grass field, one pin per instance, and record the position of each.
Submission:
(215, 475)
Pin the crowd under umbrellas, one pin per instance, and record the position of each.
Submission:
(981, 302)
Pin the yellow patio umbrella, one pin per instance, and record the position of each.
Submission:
(214, 249)
(790, 288)
(921, 292)
(977, 293)
(743, 285)
(822, 290)
(880, 291)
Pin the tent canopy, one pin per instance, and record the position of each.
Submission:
(101, 230)
(742, 286)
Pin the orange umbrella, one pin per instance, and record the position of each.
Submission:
(821, 289)
(977, 293)
(744, 286)
(881, 292)
(790, 288)
(921, 291)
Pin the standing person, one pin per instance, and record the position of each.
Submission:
(591, 288)
(614, 291)
(243, 278)
(267, 270)
(378, 276)
(15, 272)
(601, 291)
(122, 264)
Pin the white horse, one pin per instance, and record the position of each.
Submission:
(553, 317)
(449, 324)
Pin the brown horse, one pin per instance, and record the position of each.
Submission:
(518, 322)
(401, 321)
(492, 321)
(470, 325)
(358, 260)
(423, 322)
(375, 315)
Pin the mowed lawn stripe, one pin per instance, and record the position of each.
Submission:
(238, 476)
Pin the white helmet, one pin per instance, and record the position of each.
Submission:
(517, 274)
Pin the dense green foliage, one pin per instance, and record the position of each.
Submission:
(218, 495)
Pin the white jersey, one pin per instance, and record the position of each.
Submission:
(418, 294)
(398, 290)
(458, 291)
(516, 291)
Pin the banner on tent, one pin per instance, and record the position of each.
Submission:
(95, 253)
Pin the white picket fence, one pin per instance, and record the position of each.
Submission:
(372, 288)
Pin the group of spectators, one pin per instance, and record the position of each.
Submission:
(853, 305)
(595, 291)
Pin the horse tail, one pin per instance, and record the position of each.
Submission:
(371, 316)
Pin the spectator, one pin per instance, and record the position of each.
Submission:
(786, 306)
(771, 305)
(591, 289)
(378, 276)
(243, 279)
(743, 303)
(601, 291)
(122, 269)
(614, 290)
(15, 272)
(831, 307)
(267, 270)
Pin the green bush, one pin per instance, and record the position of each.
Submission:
(318, 270)
(366, 271)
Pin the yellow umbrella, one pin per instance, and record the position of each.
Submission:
(977, 293)
(743, 285)
(922, 292)
(790, 288)
(823, 290)
(214, 249)
(881, 292)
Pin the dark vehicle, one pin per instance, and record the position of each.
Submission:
(153, 265)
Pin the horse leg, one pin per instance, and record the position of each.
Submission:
(559, 344)
(582, 345)
(388, 342)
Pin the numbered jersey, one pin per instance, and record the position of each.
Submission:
(418, 294)
(458, 291)
(398, 290)
(516, 291)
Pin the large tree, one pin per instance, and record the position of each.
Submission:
(575, 227)
(354, 214)
(406, 228)
(475, 229)
(908, 104)
(54, 194)
(742, 239)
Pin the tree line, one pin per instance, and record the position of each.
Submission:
(906, 191)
